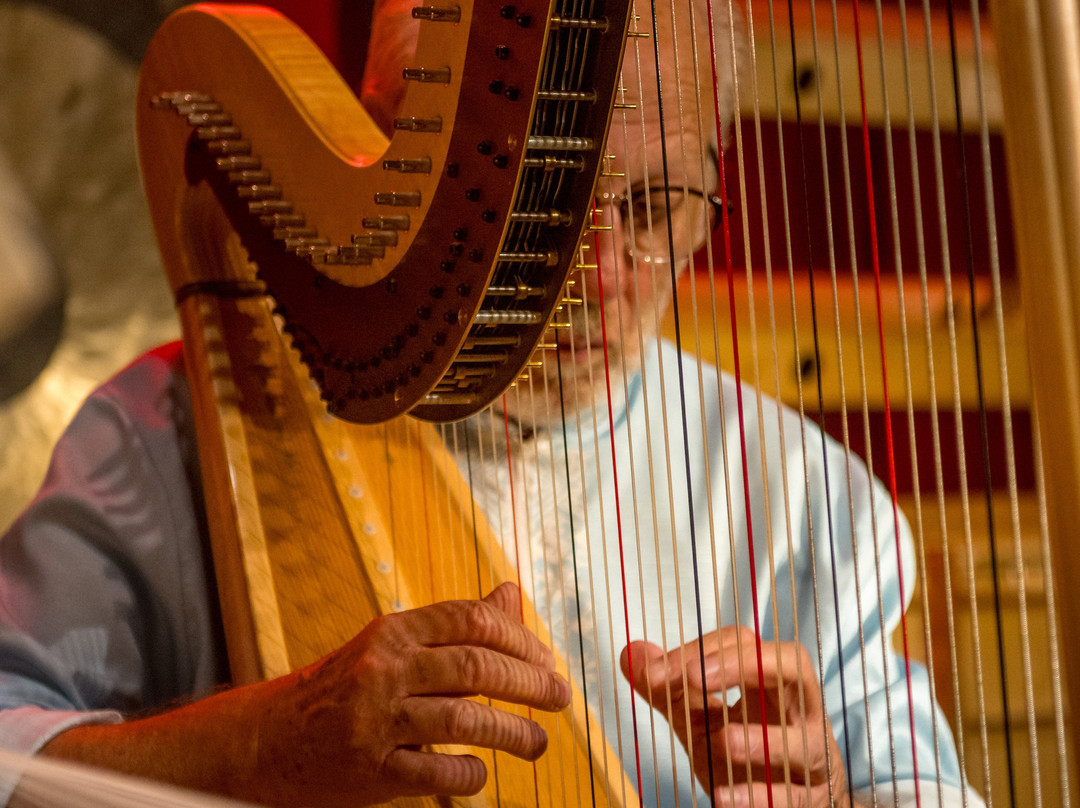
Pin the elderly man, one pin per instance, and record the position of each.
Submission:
(122, 509)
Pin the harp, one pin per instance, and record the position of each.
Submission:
(896, 195)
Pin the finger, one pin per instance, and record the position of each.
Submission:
(506, 597)
(474, 622)
(428, 720)
(779, 792)
(466, 670)
(648, 669)
(737, 657)
(418, 772)
(804, 749)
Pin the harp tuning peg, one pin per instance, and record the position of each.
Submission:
(416, 165)
(415, 124)
(426, 75)
(401, 199)
(397, 222)
(437, 13)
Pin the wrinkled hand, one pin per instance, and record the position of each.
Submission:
(742, 739)
(348, 730)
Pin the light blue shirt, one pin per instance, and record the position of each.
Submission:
(105, 607)
(818, 532)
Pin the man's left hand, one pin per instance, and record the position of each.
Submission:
(779, 709)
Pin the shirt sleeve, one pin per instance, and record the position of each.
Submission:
(103, 580)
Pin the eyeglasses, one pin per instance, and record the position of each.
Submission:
(686, 216)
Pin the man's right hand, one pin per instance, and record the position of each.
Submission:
(349, 729)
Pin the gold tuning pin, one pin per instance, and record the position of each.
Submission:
(606, 169)
(401, 199)
(412, 123)
(435, 75)
(397, 222)
(417, 165)
(437, 13)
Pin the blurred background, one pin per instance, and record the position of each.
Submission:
(82, 291)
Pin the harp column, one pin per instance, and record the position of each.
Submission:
(1039, 61)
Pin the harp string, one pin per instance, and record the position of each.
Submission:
(950, 320)
(649, 419)
(516, 562)
(920, 552)
(715, 68)
(984, 434)
(654, 505)
(890, 451)
(751, 556)
(614, 488)
(795, 338)
(848, 197)
(573, 552)
(817, 352)
(583, 473)
(1006, 404)
(773, 330)
(1051, 609)
(718, 128)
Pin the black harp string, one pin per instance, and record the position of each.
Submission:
(756, 374)
(712, 286)
(574, 557)
(920, 551)
(685, 421)
(755, 92)
(645, 399)
(984, 434)
(716, 70)
(950, 321)
(890, 449)
(1006, 406)
(816, 334)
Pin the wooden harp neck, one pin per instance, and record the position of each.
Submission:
(415, 274)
